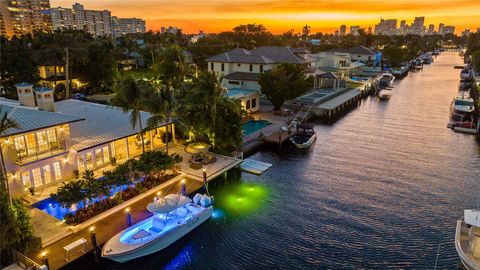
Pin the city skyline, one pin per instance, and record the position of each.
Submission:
(281, 16)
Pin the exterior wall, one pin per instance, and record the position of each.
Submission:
(236, 67)
(96, 22)
(249, 85)
(123, 26)
(251, 103)
(54, 167)
(24, 16)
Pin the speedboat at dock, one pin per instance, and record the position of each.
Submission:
(173, 217)
(467, 239)
(304, 137)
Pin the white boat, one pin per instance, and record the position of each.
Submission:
(462, 111)
(467, 239)
(304, 137)
(173, 217)
(465, 73)
(386, 80)
(385, 94)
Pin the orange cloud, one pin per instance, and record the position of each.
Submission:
(282, 15)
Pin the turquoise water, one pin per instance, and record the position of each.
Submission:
(254, 125)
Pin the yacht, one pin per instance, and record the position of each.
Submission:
(304, 137)
(462, 110)
(417, 64)
(173, 217)
(386, 80)
(467, 239)
(465, 73)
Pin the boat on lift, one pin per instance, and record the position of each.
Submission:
(386, 80)
(173, 217)
(305, 136)
(462, 112)
(384, 94)
(467, 239)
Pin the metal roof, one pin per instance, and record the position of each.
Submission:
(30, 119)
(337, 101)
(23, 84)
(102, 123)
(264, 55)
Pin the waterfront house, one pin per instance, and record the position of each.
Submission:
(241, 68)
(361, 54)
(249, 99)
(50, 75)
(55, 139)
(341, 65)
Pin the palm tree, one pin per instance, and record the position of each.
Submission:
(129, 95)
(171, 68)
(6, 123)
(163, 107)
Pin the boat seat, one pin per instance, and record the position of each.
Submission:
(140, 235)
(155, 229)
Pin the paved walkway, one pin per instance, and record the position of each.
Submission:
(108, 227)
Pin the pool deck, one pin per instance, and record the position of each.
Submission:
(56, 234)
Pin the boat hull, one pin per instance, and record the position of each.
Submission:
(467, 260)
(161, 242)
(305, 144)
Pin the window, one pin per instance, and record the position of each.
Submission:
(254, 103)
(238, 65)
(106, 154)
(37, 177)
(223, 67)
(89, 159)
(47, 174)
(20, 146)
(31, 144)
(52, 138)
(261, 68)
(250, 67)
(26, 178)
(248, 105)
(80, 163)
(42, 141)
(211, 66)
(98, 157)
(57, 171)
(234, 82)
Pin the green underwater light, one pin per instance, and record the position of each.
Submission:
(242, 198)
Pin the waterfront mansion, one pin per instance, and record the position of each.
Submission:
(55, 139)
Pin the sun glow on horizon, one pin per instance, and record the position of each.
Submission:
(283, 15)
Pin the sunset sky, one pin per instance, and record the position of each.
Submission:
(282, 15)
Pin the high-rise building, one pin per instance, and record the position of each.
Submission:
(343, 30)
(431, 29)
(95, 22)
(386, 27)
(418, 25)
(171, 29)
(354, 30)
(449, 29)
(24, 16)
(123, 26)
(466, 32)
(441, 28)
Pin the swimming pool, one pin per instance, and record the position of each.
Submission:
(254, 125)
(54, 208)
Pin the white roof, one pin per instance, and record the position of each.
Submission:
(102, 123)
(472, 217)
(29, 119)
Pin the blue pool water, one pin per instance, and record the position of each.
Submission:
(53, 208)
(254, 125)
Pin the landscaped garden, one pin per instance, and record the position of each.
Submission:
(88, 197)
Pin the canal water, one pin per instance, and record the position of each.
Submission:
(382, 188)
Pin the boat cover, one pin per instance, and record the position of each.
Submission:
(472, 217)
(168, 204)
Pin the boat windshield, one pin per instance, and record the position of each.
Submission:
(462, 102)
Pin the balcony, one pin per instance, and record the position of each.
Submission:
(34, 154)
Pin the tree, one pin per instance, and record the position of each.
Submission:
(16, 231)
(129, 95)
(163, 107)
(394, 55)
(171, 69)
(284, 82)
(6, 123)
(306, 30)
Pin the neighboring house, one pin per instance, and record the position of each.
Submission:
(362, 54)
(131, 60)
(48, 77)
(249, 99)
(56, 139)
(241, 68)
